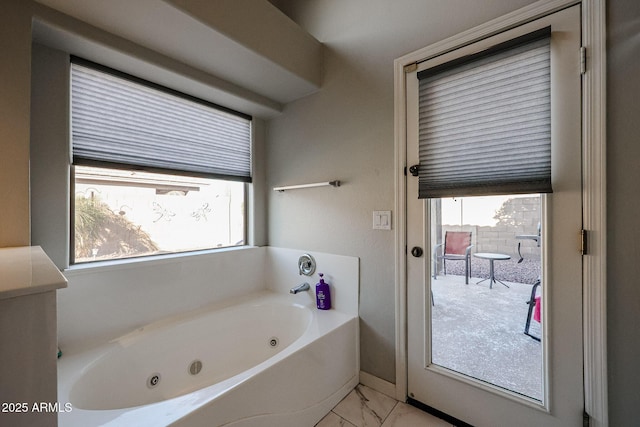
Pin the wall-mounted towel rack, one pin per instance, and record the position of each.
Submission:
(317, 184)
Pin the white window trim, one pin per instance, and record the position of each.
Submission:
(594, 189)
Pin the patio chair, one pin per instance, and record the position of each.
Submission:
(456, 247)
(534, 301)
(534, 304)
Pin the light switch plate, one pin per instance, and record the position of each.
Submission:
(382, 220)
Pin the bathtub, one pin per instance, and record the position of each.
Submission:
(263, 360)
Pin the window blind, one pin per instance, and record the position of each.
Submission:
(485, 122)
(127, 124)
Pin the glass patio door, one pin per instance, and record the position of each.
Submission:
(486, 285)
(468, 354)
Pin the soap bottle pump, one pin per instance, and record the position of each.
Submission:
(323, 294)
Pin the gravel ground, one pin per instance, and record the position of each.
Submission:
(508, 271)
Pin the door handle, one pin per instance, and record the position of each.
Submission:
(417, 251)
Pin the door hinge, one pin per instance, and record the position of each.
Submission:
(583, 60)
(410, 68)
(583, 242)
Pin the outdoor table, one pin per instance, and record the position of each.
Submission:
(492, 257)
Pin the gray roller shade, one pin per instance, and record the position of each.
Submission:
(120, 122)
(485, 122)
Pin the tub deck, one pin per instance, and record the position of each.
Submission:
(295, 387)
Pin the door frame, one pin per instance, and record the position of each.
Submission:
(593, 193)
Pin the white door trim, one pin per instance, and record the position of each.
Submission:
(594, 190)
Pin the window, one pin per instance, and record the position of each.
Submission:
(154, 171)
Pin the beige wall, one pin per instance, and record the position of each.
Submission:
(623, 205)
(50, 152)
(15, 83)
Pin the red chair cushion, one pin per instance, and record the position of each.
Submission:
(456, 242)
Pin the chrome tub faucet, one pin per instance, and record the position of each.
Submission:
(301, 287)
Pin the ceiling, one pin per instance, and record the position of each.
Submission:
(245, 48)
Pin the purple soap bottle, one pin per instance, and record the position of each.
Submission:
(323, 294)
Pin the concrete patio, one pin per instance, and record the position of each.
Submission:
(478, 331)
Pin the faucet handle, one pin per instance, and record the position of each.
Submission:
(306, 265)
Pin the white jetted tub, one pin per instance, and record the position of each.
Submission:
(263, 361)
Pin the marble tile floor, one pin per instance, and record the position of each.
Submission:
(365, 407)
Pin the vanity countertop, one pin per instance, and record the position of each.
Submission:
(27, 270)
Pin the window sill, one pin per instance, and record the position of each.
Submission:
(147, 261)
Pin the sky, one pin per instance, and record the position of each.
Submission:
(473, 210)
